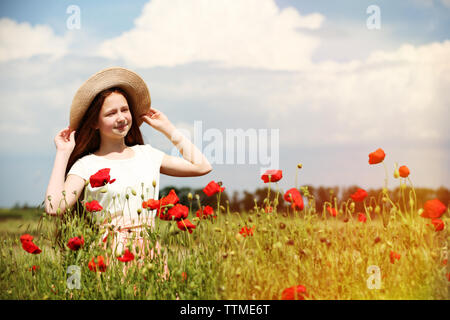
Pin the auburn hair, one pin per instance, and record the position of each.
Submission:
(87, 138)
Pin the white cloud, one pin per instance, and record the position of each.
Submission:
(247, 33)
(446, 3)
(22, 41)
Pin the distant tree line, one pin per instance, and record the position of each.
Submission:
(245, 201)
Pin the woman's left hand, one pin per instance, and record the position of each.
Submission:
(156, 119)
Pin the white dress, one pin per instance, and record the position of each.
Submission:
(134, 176)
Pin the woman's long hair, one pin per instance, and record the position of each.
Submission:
(87, 139)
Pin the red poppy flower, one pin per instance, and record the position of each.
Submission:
(394, 255)
(359, 195)
(207, 211)
(294, 196)
(75, 243)
(93, 206)
(100, 263)
(275, 175)
(151, 204)
(433, 209)
(212, 188)
(101, 178)
(33, 268)
(184, 276)
(185, 225)
(294, 293)
(177, 212)
(246, 231)
(332, 211)
(28, 245)
(362, 217)
(403, 171)
(171, 198)
(26, 237)
(376, 156)
(127, 256)
(438, 224)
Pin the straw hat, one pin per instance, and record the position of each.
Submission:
(125, 79)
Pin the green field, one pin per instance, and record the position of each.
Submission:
(331, 258)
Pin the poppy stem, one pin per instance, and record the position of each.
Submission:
(386, 179)
(414, 192)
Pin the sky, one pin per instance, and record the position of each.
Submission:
(322, 83)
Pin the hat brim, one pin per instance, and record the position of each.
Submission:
(125, 79)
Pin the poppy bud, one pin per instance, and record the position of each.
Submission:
(411, 202)
(133, 192)
(127, 196)
(104, 190)
(64, 193)
(420, 211)
(403, 186)
(352, 206)
(299, 166)
(396, 174)
(189, 196)
(139, 211)
(370, 208)
(58, 211)
(377, 209)
(86, 183)
(154, 183)
(197, 197)
(142, 196)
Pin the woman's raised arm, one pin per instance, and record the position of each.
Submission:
(65, 143)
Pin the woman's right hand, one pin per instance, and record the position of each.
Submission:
(65, 140)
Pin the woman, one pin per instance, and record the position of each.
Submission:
(104, 133)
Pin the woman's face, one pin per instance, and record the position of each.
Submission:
(114, 119)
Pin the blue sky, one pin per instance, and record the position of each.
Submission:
(334, 89)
